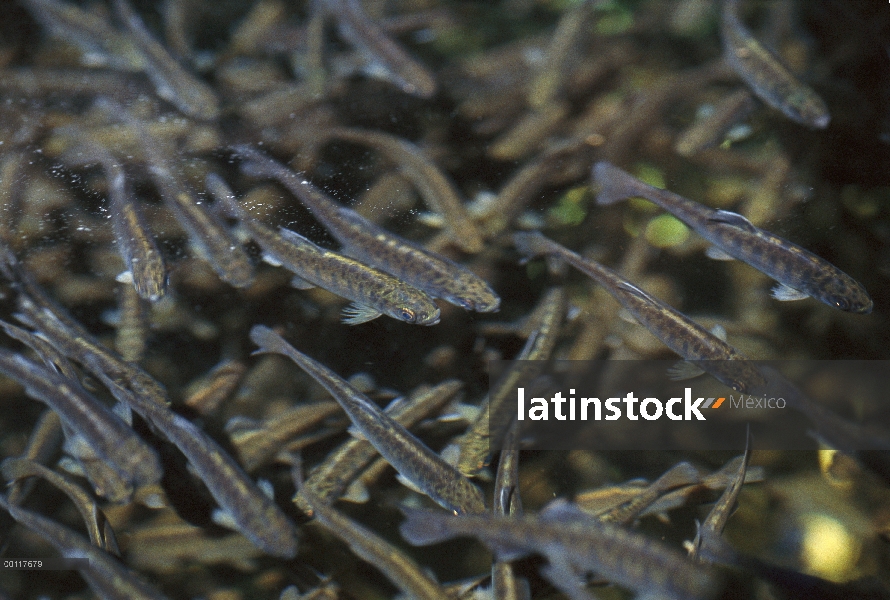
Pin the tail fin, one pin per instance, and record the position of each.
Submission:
(531, 244)
(426, 527)
(614, 184)
(223, 194)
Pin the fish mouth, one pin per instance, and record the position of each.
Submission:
(434, 319)
(479, 306)
(488, 308)
(865, 309)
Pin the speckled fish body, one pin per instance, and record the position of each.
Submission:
(344, 276)
(409, 456)
(675, 330)
(710, 531)
(135, 243)
(106, 576)
(621, 555)
(208, 235)
(792, 266)
(83, 415)
(329, 480)
(254, 513)
(76, 343)
(171, 80)
(485, 434)
(425, 270)
(768, 77)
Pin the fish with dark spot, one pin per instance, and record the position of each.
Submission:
(372, 292)
(800, 273)
(361, 239)
(768, 77)
(676, 331)
(87, 422)
(413, 459)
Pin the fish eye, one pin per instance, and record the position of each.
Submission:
(406, 314)
(841, 303)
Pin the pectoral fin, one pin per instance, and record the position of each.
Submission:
(787, 293)
(684, 370)
(357, 492)
(271, 259)
(735, 219)
(356, 314)
(715, 253)
(300, 283)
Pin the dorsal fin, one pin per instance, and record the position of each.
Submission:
(734, 219)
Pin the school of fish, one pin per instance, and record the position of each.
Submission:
(222, 221)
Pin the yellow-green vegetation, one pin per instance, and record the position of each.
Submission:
(665, 231)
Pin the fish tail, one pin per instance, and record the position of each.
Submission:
(614, 184)
(425, 527)
(268, 341)
(531, 244)
(254, 163)
(223, 194)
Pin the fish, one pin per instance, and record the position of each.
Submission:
(365, 241)
(73, 341)
(709, 532)
(597, 501)
(770, 80)
(168, 546)
(130, 321)
(329, 480)
(372, 292)
(135, 243)
(98, 528)
(245, 506)
(91, 424)
(210, 390)
(552, 72)
(487, 431)
(435, 187)
(800, 273)
(359, 29)
(398, 567)
(710, 547)
(675, 330)
(681, 475)
(145, 263)
(106, 576)
(43, 444)
(413, 459)
(90, 30)
(208, 235)
(172, 81)
(44, 81)
(257, 443)
(623, 556)
(507, 501)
